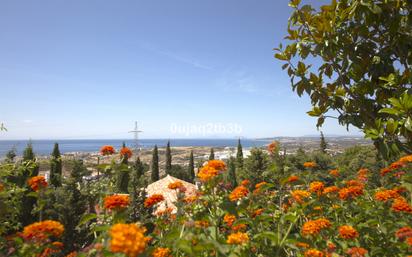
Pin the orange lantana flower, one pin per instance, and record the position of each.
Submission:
(42, 230)
(162, 252)
(238, 193)
(385, 195)
(348, 232)
(357, 252)
(309, 164)
(153, 199)
(299, 195)
(175, 185)
(330, 190)
(316, 187)
(125, 152)
(238, 238)
(207, 172)
(401, 205)
(403, 233)
(350, 192)
(313, 227)
(128, 239)
(217, 165)
(107, 150)
(229, 219)
(313, 253)
(116, 202)
(37, 182)
(334, 173)
(293, 178)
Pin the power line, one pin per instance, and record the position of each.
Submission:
(136, 132)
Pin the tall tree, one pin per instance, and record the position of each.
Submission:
(56, 166)
(168, 165)
(232, 172)
(123, 172)
(74, 206)
(138, 168)
(363, 56)
(155, 165)
(28, 153)
(212, 154)
(191, 167)
(239, 155)
(256, 164)
(323, 143)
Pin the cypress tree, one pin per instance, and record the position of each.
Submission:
(55, 166)
(28, 154)
(212, 154)
(123, 174)
(155, 165)
(323, 143)
(168, 166)
(138, 168)
(191, 167)
(232, 172)
(239, 155)
(256, 164)
(73, 208)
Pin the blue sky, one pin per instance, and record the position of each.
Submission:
(89, 69)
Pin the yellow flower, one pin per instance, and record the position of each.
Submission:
(128, 239)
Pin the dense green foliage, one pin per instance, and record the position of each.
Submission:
(154, 167)
(168, 164)
(363, 56)
(55, 166)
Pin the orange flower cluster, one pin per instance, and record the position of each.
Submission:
(348, 232)
(162, 252)
(403, 233)
(217, 165)
(302, 245)
(401, 205)
(37, 182)
(245, 182)
(153, 199)
(55, 248)
(385, 195)
(316, 187)
(202, 223)
(309, 164)
(363, 175)
(357, 252)
(107, 150)
(239, 227)
(350, 192)
(238, 238)
(175, 185)
(229, 219)
(313, 253)
(190, 199)
(166, 211)
(293, 178)
(272, 147)
(258, 187)
(299, 195)
(334, 173)
(125, 152)
(42, 230)
(257, 212)
(238, 193)
(330, 190)
(72, 254)
(409, 241)
(1, 187)
(402, 162)
(314, 227)
(116, 202)
(207, 173)
(128, 239)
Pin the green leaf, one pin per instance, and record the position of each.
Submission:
(389, 111)
(294, 3)
(281, 56)
(86, 218)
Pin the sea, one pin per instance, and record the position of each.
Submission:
(45, 147)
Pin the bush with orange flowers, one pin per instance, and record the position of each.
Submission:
(125, 152)
(207, 173)
(107, 150)
(37, 182)
(316, 187)
(116, 202)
